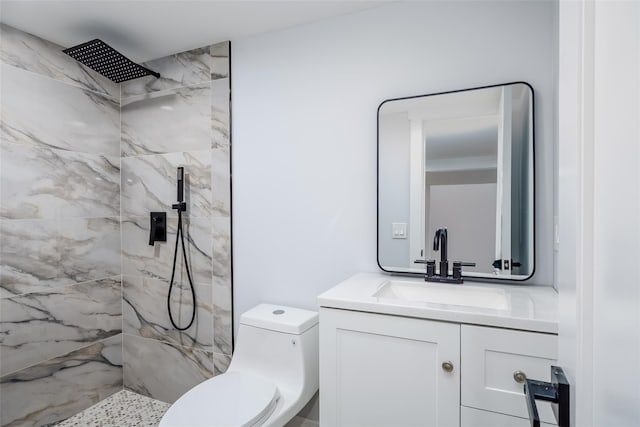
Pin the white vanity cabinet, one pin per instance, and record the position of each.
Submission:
(395, 352)
(380, 370)
(384, 370)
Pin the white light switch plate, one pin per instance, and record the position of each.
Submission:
(398, 230)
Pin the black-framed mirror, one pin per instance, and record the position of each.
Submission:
(461, 160)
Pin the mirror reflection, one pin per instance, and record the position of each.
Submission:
(462, 161)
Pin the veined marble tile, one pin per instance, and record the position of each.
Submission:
(39, 326)
(39, 182)
(220, 60)
(39, 254)
(221, 181)
(145, 312)
(220, 107)
(31, 53)
(59, 388)
(149, 183)
(38, 111)
(167, 122)
(221, 363)
(221, 248)
(222, 314)
(140, 259)
(179, 70)
(184, 368)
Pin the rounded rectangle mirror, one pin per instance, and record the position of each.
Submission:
(461, 161)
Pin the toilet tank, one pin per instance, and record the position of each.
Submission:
(280, 344)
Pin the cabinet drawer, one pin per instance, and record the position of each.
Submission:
(489, 359)
(470, 417)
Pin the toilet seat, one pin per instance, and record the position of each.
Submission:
(231, 399)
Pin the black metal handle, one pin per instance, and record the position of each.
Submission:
(158, 227)
(556, 392)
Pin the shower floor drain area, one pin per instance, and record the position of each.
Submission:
(122, 409)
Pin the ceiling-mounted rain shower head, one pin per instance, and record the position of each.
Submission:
(104, 59)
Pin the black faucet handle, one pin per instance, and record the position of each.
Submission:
(457, 268)
(431, 266)
(465, 264)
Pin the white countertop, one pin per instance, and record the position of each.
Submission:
(524, 307)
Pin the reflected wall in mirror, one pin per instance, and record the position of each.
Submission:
(462, 161)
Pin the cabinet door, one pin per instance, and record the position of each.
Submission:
(492, 356)
(379, 370)
(470, 417)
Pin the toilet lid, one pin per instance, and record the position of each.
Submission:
(231, 399)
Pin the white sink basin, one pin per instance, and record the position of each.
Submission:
(435, 293)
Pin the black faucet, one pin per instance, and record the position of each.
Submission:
(440, 243)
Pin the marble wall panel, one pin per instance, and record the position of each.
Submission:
(143, 359)
(220, 113)
(54, 390)
(221, 232)
(140, 259)
(38, 254)
(166, 122)
(41, 325)
(149, 183)
(220, 64)
(145, 312)
(221, 181)
(31, 53)
(179, 70)
(41, 112)
(39, 182)
(155, 122)
(222, 289)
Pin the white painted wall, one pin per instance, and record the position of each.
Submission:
(304, 130)
(599, 208)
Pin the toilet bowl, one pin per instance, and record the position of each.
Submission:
(272, 375)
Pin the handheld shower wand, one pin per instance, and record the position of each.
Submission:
(181, 185)
(181, 206)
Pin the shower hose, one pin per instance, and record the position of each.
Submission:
(180, 238)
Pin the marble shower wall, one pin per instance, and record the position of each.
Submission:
(180, 119)
(60, 251)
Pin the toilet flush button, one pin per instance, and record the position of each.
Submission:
(278, 312)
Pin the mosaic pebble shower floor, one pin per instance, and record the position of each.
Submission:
(122, 409)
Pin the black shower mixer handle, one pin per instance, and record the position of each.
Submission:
(182, 206)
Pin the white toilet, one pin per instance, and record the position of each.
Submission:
(272, 375)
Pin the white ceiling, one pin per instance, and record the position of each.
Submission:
(144, 30)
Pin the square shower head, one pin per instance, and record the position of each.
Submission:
(104, 59)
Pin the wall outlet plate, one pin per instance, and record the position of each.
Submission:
(399, 230)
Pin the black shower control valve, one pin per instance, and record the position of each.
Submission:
(182, 206)
(158, 227)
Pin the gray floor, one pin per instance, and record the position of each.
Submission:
(122, 409)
